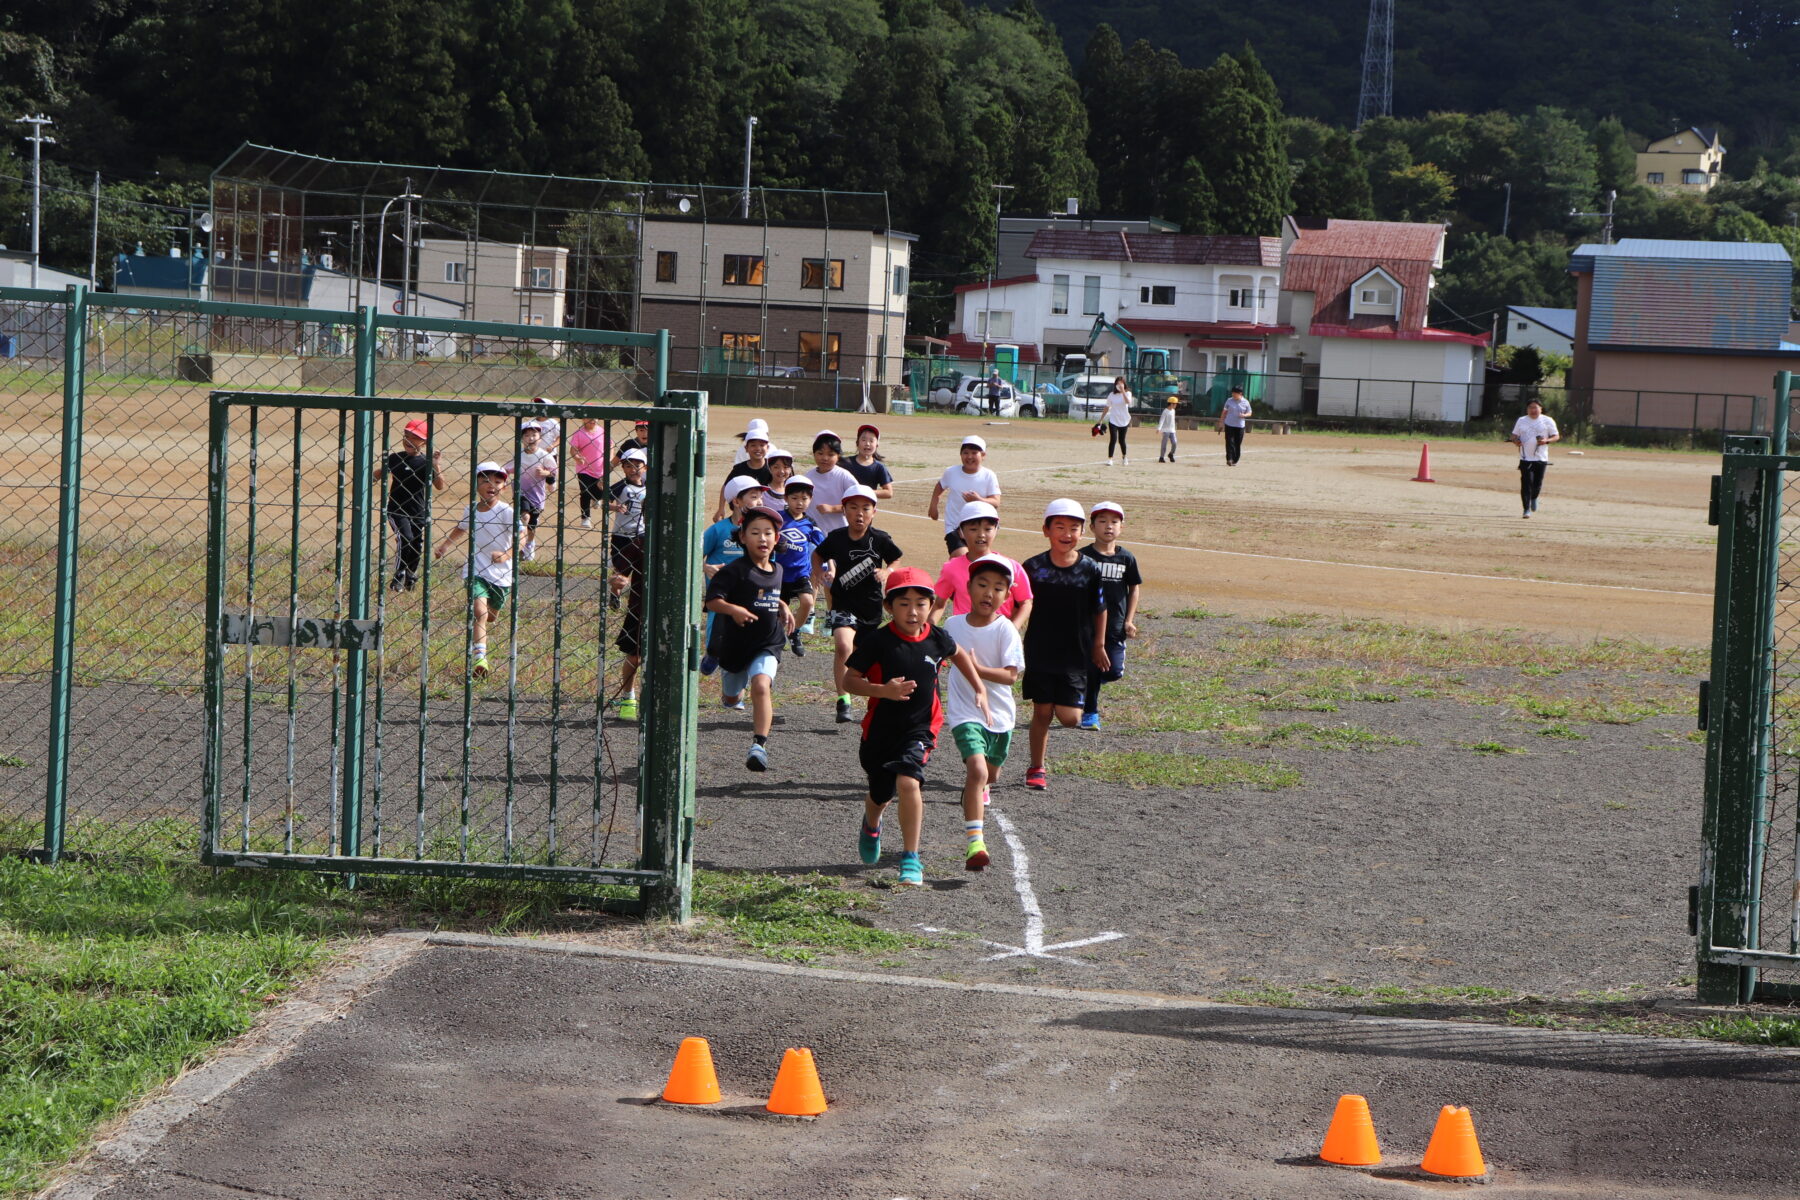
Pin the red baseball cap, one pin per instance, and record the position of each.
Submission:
(418, 428)
(862, 429)
(910, 577)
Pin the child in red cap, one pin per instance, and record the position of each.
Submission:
(410, 479)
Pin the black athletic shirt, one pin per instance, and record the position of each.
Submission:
(854, 588)
(409, 478)
(739, 582)
(1063, 603)
(760, 474)
(873, 475)
(1118, 575)
(882, 654)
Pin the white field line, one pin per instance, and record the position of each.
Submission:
(1034, 915)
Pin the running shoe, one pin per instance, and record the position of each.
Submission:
(529, 553)
(1037, 779)
(628, 709)
(807, 628)
(587, 523)
(795, 646)
(735, 705)
(977, 858)
(1090, 720)
(480, 668)
(985, 798)
(758, 758)
(708, 664)
(844, 715)
(868, 845)
(912, 872)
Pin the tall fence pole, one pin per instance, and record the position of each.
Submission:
(355, 660)
(68, 545)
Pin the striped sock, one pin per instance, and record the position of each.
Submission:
(973, 829)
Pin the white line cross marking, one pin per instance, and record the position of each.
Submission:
(1034, 915)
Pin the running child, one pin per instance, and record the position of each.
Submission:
(754, 463)
(897, 666)
(1120, 583)
(981, 521)
(639, 440)
(489, 569)
(799, 538)
(831, 483)
(587, 446)
(719, 547)
(781, 469)
(1165, 425)
(747, 594)
(1067, 636)
(969, 483)
(983, 740)
(411, 478)
(532, 470)
(853, 562)
(626, 500)
(867, 466)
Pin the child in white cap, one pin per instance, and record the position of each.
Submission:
(491, 524)
(754, 463)
(1067, 634)
(1120, 582)
(970, 482)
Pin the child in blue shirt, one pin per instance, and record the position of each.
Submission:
(799, 538)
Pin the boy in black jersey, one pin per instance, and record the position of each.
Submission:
(410, 479)
(897, 666)
(1120, 582)
(853, 562)
(1067, 634)
(754, 624)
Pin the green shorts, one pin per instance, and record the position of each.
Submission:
(973, 738)
(493, 593)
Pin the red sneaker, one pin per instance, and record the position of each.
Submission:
(1037, 779)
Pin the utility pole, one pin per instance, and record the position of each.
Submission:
(987, 332)
(1506, 216)
(749, 141)
(1377, 98)
(1606, 231)
(37, 137)
(94, 239)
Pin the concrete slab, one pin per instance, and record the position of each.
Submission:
(509, 1070)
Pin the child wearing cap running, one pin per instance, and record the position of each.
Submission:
(1120, 583)
(532, 470)
(867, 466)
(489, 569)
(979, 525)
(999, 656)
(969, 483)
(719, 548)
(410, 478)
(747, 594)
(831, 483)
(1067, 636)
(781, 469)
(897, 667)
(853, 562)
(626, 500)
(755, 463)
(799, 538)
(639, 440)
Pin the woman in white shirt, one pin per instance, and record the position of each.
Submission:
(1533, 433)
(1165, 425)
(1234, 419)
(1118, 420)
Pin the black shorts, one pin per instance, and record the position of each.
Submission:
(884, 762)
(837, 618)
(796, 587)
(628, 555)
(1054, 687)
(953, 541)
(530, 515)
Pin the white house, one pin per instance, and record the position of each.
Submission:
(1548, 329)
(1210, 300)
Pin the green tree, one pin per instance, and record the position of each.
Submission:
(1330, 179)
(1421, 192)
(1195, 206)
(1485, 272)
(678, 97)
(1615, 162)
(1246, 155)
(1556, 172)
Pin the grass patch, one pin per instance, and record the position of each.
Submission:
(1198, 613)
(1753, 1031)
(1329, 737)
(1562, 733)
(793, 917)
(1492, 748)
(1148, 768)
(11, 760)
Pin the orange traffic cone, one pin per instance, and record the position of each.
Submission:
(797, 1092)
(1350, 1139)
(1454, 1152)
(1424, 475)
(691, 1079)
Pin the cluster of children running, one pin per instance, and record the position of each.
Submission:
(786, 549)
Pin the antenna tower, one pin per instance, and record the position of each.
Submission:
(1377, 98)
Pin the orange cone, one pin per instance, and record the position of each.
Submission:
(1454, 1152)
(797, 1092)
(691, 1079)
(1424, 475)
(1350, 1139)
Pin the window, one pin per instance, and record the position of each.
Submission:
(1059, 294)
(900, 281)
(741, 347)
(1288, 366)
(1230, 362)
(990, 326)
(810, 355)
(453, 272)
(813, 274)
(744, 269)
(1693, 176)
(1653, 177)
(1239, 298)
(1376, 297)
(665, 266)
(1519, 325)
(541, 277)
(1090, 295)
(1159, 294)
(537, 318)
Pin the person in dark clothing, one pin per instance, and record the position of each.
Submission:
(1067, 633)
(746, 594)
(1120, 582)
(410, 478)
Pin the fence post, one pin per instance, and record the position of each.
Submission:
(1784, 383)
(1356, 404)
(661, 381)
(667, 737)
(68, 545)
(357, 609)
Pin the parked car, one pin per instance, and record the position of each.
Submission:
(1087, 396)
(776, 371)
(970, 396)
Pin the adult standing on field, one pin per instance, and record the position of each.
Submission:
(1234, 418)
(1532, 434)
(1118, 420)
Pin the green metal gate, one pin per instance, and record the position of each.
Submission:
(1746, 908)
(346, 729)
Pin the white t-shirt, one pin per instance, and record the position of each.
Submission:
(1528, 431)
(493, 535)
(1118, 408)
(1166, 422)
(549, 432)
(1235, 410)
(829, 488)
(955, 482)
(996, 644)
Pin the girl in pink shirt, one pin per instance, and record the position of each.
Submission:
(587, 446)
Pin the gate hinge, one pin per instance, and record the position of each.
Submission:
(1712, 503)
(1705, 694)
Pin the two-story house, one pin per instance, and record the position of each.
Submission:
(1357, 294)
(1209, 300)
(1688, 160)
(507, 282)
(774, 297)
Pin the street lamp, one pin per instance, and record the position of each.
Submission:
(987, 321)
(749, 140)
(381, 240)
(1606, 231)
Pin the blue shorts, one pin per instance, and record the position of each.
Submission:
(736, 683)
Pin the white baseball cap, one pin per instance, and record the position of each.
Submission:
(758, 429)
(977, 441)
(864, 491)
(737, 485)
(826, 433)
(994, 561)
(1064, 508)
(1105, 506)
(778, 452)
(636, 455)
(978, 510)
(490, 467)
(524, 425)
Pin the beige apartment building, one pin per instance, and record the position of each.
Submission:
(1688, 160)
(497, 281)
(776, 298)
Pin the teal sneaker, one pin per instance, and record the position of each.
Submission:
(868, 846)
(912, 874)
